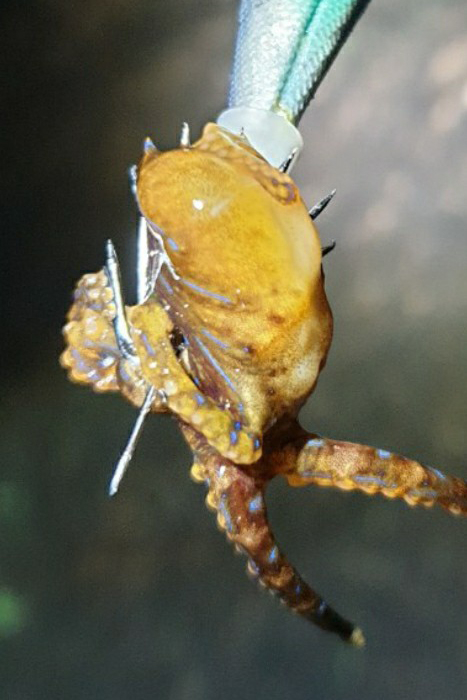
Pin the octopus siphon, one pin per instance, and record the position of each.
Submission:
(229, 335)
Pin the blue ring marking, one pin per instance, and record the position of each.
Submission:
(383, 454)
(233, 437)
(323, 606)
(273, 555)
(206, 292)
(315, 442)
(172, 244)
(164, 282)
(437, 473)
(226, 514)
(208, 334)
(215, 364)
(367, 479)
(106, 361)
(253, 565)
(200, 400)
(256, 504)
(80, 362)
(314, 475)
(423, 493)
(123, 373)
(149, 349)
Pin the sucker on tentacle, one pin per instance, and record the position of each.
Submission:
(312, 459)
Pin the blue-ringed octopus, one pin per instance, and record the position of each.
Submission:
(230, 334)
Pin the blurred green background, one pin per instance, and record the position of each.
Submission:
(140, 597)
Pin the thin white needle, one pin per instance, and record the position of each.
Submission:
(127, 453)
(122, 331)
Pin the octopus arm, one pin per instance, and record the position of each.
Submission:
(237, 496)
(91, 355)
(311, 459)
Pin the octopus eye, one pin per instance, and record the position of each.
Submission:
(178, 342)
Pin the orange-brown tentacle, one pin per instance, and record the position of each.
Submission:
(238, 499)
(315, 460)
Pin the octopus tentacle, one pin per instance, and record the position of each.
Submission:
(311, 459)
(151, 328)
(238, 498)
(92, 355)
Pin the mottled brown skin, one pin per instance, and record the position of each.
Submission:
(234, 336)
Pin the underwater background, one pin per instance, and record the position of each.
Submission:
(140, 597)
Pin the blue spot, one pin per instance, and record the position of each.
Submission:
(215, 364)
(437, 473)
(226, 514)
(298, 589)
(365, 479)
(214, 339)
(237, 425)
(273, 555)
(314, 475)
(106, 361)
(321, 609)
(123, 373)
(196, 381)
(256, 504)
(172, 244)
(423, 493)
(383, 454)
(256, 443)
(166, 285)
(233, 437)
(82, 366)
(206, 292)
(253, 566)
(200, 400)
(149, 349)
(315, 442)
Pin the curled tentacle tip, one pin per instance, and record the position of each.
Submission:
(357, 638)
